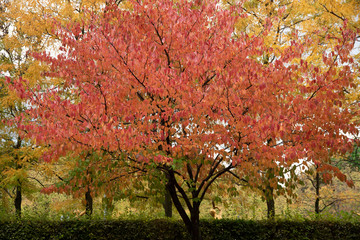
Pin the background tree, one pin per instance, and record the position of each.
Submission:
(17, 155)
(322, 174)
(88, 175)
(26, 28)
(322, 21)
(318, 19)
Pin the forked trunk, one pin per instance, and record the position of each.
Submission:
(192, 224)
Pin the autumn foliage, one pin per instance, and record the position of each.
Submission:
(168, 84)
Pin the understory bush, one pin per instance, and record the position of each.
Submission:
(170, 229)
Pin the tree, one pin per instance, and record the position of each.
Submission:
(155, 105)
(168, 85)
(323, 174)
(319, 18)
(25, 28)
(322, 20)
(271, 183)
(326, 189)
(88, 175)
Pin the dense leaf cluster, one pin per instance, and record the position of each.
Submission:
(167, 229)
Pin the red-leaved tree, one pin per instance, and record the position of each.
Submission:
(168, 85)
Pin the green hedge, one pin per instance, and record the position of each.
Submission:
(88, 230)
(168, 229)
(237, 229)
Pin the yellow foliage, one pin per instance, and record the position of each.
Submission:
(314, 19)
(307, 17)
(28, 28)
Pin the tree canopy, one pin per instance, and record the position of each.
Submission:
(171, 85)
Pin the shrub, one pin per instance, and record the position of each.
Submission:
(164, 229)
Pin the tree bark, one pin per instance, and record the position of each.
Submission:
(317, 189)
(270, 207)
(270, 202)
(17, 202)
(167, 204)
(192, 224)
(18, 194)
(88, 203)
(195, 222)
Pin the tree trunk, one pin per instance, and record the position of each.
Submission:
(270, 202)
(88, 203)
(192, 224)
(167, 204)
(270, 207)
(195, 222)
(317, 189)
(17, 201)
(18, 197)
